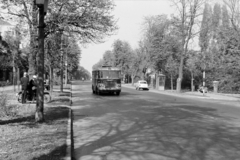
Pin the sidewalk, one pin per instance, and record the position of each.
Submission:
(210, 95)
(8, 88)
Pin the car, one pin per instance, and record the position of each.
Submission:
(142, 84)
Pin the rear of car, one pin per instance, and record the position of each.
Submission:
(142, 85)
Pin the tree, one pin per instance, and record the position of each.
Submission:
(88, 20)
(121, 55)
(80, 73)
(108, 58)
(100, 63)
(216, 18)
(205, 36)
(233, 6)
(171, 68)
(193, 65)
(188, 12)
(157, 36)
(135, 63)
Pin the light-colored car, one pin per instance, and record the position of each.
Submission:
(141, 84)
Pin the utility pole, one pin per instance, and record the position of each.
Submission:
(61, 52)
(66, 70)
(204, 68)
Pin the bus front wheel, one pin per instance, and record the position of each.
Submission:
(97, 91)
(93, 90)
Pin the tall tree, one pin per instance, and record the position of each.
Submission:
(122, 54)
(205, 36)
(108, 58)
(188, 12)
(216, 18)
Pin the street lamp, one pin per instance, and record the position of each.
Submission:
(42, 5)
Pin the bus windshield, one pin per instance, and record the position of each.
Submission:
(110, 74)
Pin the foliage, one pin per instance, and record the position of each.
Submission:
(121, 55)
(80, 73)
(98, 64)
(108, 58)
(185, 21)
(85, 20)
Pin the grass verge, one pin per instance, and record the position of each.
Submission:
(23, 139)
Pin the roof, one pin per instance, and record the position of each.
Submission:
(107, 68)
(142, 81)
(4, 23)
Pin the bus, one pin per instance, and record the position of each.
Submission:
(106, 79)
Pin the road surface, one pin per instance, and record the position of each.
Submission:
(142, 125)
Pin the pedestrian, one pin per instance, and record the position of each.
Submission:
(32, 87)
(24, 85)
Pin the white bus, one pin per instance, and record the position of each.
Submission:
(106, 79)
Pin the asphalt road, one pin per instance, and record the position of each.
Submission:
(142, 125)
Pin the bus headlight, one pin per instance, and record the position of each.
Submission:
(101, 85)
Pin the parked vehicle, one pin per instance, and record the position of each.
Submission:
(47, 97)
(141, 84)
(201, 89)
(46, 84)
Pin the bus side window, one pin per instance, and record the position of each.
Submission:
(101, 74)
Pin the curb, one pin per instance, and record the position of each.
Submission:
(69, 130)
(189, 95)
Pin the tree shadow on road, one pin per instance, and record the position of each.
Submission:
(150, 130)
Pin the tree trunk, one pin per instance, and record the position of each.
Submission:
(157, 82)
(33, 41)
(192, 85)
(14, 76)
(39, 115)
(180, 75)
(51, 79)
(171, 82)
(18, 78)
(132, 80)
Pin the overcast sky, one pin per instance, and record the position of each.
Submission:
(130, 15)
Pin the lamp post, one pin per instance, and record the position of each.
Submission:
(42, 5)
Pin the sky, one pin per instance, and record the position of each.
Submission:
(130, 15)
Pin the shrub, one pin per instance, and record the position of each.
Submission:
(4, 110)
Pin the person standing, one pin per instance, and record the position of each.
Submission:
(24, 85)
(33, 87)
